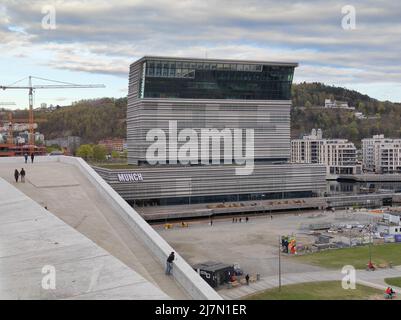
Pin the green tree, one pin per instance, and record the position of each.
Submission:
(85, 151)
(115, 154)
(99, 152)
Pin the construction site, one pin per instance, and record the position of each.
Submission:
(253, 244)
(18, 136)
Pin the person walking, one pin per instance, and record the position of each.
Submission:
(16, 175)
(26, 157)
(169, 263)
(247, 279)
(246, 219)
(32, 157)
(22, 174)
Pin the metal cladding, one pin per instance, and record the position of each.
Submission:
(171, 182)
(200, 94)
(269, 119)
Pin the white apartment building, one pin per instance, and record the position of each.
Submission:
(381, 155)
(328, 103)
(338, 155)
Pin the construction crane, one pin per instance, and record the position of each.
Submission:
(31, 88)
(7, 103)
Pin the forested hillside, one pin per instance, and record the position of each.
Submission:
(90, 119)
(105, 118)
(382, 117)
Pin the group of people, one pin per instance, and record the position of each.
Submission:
(233, 278)
(235, 220)
(26, 157)
(18, 174)
(21, 174)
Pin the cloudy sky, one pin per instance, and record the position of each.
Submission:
(96, 40)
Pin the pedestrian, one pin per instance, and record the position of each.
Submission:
(233, 220)
(271, 217)
(22, 174)
(32, 156)
(240, 220)
(169, 263)
(16, 175)
(211, 222)
(247, 279)
(26, 157)
(246, 219)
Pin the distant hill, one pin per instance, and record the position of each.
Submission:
(92, 120)
(106, 118)
(383, 117)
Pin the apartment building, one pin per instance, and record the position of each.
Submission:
(381, 155)
(338, 155)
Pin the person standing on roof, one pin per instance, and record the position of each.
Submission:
(247, 279)
(16, 175)
(22, 174)
(169, 263)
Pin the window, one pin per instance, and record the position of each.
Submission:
(218, 81)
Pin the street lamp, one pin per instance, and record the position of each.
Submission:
(279, 263)
(370, 242)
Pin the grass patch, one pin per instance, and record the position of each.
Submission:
(396, 282)
(324, 290)
(115, 166)
(356, 256)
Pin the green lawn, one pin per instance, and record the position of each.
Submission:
(396, 282)
(325, 290)
(356, 256)
(116, 166)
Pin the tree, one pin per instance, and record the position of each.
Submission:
(85, 151)
(99, 152)
(115, 154)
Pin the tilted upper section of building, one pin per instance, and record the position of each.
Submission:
(190, 78)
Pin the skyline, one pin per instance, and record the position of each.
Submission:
(95, 41)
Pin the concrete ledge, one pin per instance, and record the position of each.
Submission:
(183, 273)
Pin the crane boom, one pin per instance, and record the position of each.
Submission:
(53, 87)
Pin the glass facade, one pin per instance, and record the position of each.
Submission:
(207, 80)
(222, 198)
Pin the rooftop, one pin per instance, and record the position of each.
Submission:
(188, 59)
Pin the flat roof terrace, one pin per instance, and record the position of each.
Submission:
(116, 264)
(33, 240)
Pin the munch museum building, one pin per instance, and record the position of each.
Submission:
(170, 95)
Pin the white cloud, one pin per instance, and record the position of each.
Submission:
(99, 36)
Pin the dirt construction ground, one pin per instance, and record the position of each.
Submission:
(253, 245)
